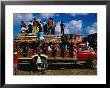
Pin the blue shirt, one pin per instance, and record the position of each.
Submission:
(41, 36)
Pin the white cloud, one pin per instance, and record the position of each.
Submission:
(29, 16)
(57, 14)
(18, 16)
(75, 14)
(72, 27)
(57, 28)
(22, 16)
(74, 24)
(46, 15)
(92, 29)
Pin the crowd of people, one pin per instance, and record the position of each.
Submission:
(47, 26)
(40, 29)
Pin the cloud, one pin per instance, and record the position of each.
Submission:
(57, 14)
(71, 27)
(92, 29)
(46, 15)
(18, 16)
(75, 14)
(57, 28)
(75, 24)
(22, 16)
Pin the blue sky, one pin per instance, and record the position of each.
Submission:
(81, 23)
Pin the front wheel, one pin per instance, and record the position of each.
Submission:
(93, 63)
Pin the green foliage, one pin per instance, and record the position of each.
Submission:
(67, 37)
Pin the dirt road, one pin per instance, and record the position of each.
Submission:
(59, 69)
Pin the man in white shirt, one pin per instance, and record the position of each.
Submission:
(39, 62)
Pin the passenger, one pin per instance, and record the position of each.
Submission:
(39, 62)
(41, 37)
(45, 26)
(30, 27)
(62, 50)
(75, 51)
(81, 48)
(49, 48)
(66, 47)
(40, 26)
(23, 27)
(35, 25)
(57, 47)
(51, 25)
(15, 63)
(62, 27)
(53, 50)
(87, 43)
(53, 31)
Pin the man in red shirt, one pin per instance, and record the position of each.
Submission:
(15, 65)
(51, 25)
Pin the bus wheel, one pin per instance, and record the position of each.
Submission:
(93, 63)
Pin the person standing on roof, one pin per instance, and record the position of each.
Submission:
(30, 27)
(53, 30)
(35, 25)
(45, 26)
(23, 27)
(40, 26)
(51, 25)
(62, 27)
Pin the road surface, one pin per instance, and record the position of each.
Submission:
(59, 69)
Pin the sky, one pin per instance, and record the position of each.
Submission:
(75, 23)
